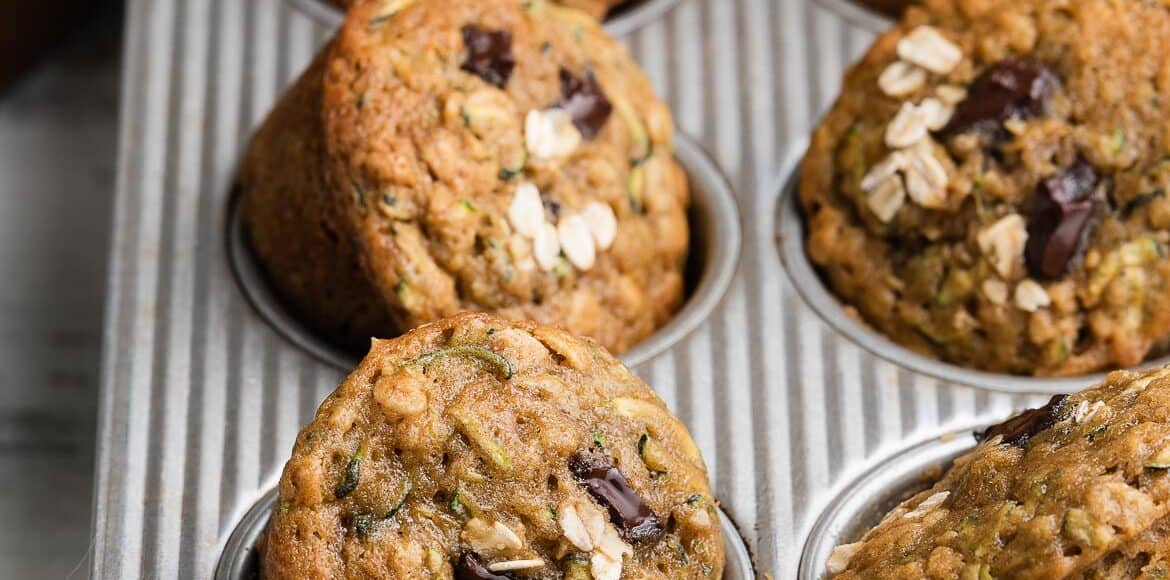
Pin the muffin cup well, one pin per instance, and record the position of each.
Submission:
(790, 238)
(872, 15)
(240, 559)
(716, 239)
(621, 21)
(866, 500)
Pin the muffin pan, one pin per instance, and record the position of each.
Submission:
(621, 21)
(873, 15)
(241, 558)
(790, 236)
(715, 246)
(202, 395)
(864, 503)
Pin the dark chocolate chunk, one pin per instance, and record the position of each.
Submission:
(1011, 87)
(470, 568)
(585, 102)
(1019, 429)
(1063, 212)
(627, 510)
(489, 54)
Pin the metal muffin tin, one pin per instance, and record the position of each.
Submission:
(861, 13)
(241, 561)
(863, 504)
(715, 246)
(622, 21)
(202, 399)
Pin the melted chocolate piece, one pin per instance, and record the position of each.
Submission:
(1062, 215)
(470, 568)
(489, 54)
(585, 102)
(627, 510)
(1011, 87)
(1019, 429)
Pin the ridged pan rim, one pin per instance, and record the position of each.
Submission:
(239, 559)
(853, 12)
(716, 230)
(863, 502)
(626, 21)
(790, 239)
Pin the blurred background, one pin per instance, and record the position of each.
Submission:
(59, 82)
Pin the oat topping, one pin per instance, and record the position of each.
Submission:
(487, 538)
(886, 168)
(996, 291)
(546, 246)
(887, 198)
(526, 212)
(550, 135)
(901, 79)
(602, 223)
(1003, 243)
(907, 128)
(577, 242)
(936, 113)
(926, 47)
(927, 504)
(840, 556)
(1031, 296)
(512, 565)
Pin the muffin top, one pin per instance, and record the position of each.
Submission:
(1076, 489)
(595, 8)
(483, 448)
(990, 186)
(505, 156)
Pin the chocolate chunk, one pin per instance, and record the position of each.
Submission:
(1011, 87)
(627, 510)
(585, 102)
(489, 54)
(470, 568)
(1062, 215)
(1019, 429)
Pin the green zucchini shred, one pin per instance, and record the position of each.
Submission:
(352, 474)
(500, 366)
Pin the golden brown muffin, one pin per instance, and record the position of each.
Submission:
(595, 8)
(990, 186)
(1076, 489)
(489, 155)
(483, 448)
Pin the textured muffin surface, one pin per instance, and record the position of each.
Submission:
(477, 446)
(1076, 489)
(990, 186)
(488, 155)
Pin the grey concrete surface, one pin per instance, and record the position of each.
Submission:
(58, 128)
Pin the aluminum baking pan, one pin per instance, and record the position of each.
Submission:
(240, 559)
(715, 247)
(864, 14)
(622, 20)
(864, 502)
(808, 282)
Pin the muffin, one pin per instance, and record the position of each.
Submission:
(1076, 489)
(477, 447)
(595, 8)
(442, 156)
(990, 187)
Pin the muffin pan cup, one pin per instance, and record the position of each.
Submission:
(241, 553)
(622, 21)
(858, 12)
(716, 239)
(866, 500)
(790, 236)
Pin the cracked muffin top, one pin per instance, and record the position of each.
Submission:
(990, 186)
(477, 447)
(487, 155)
(595, 8)
(1076, 489)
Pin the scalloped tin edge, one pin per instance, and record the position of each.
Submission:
(627, 20)
(790, 236)
(717, 239)
(240, 555)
